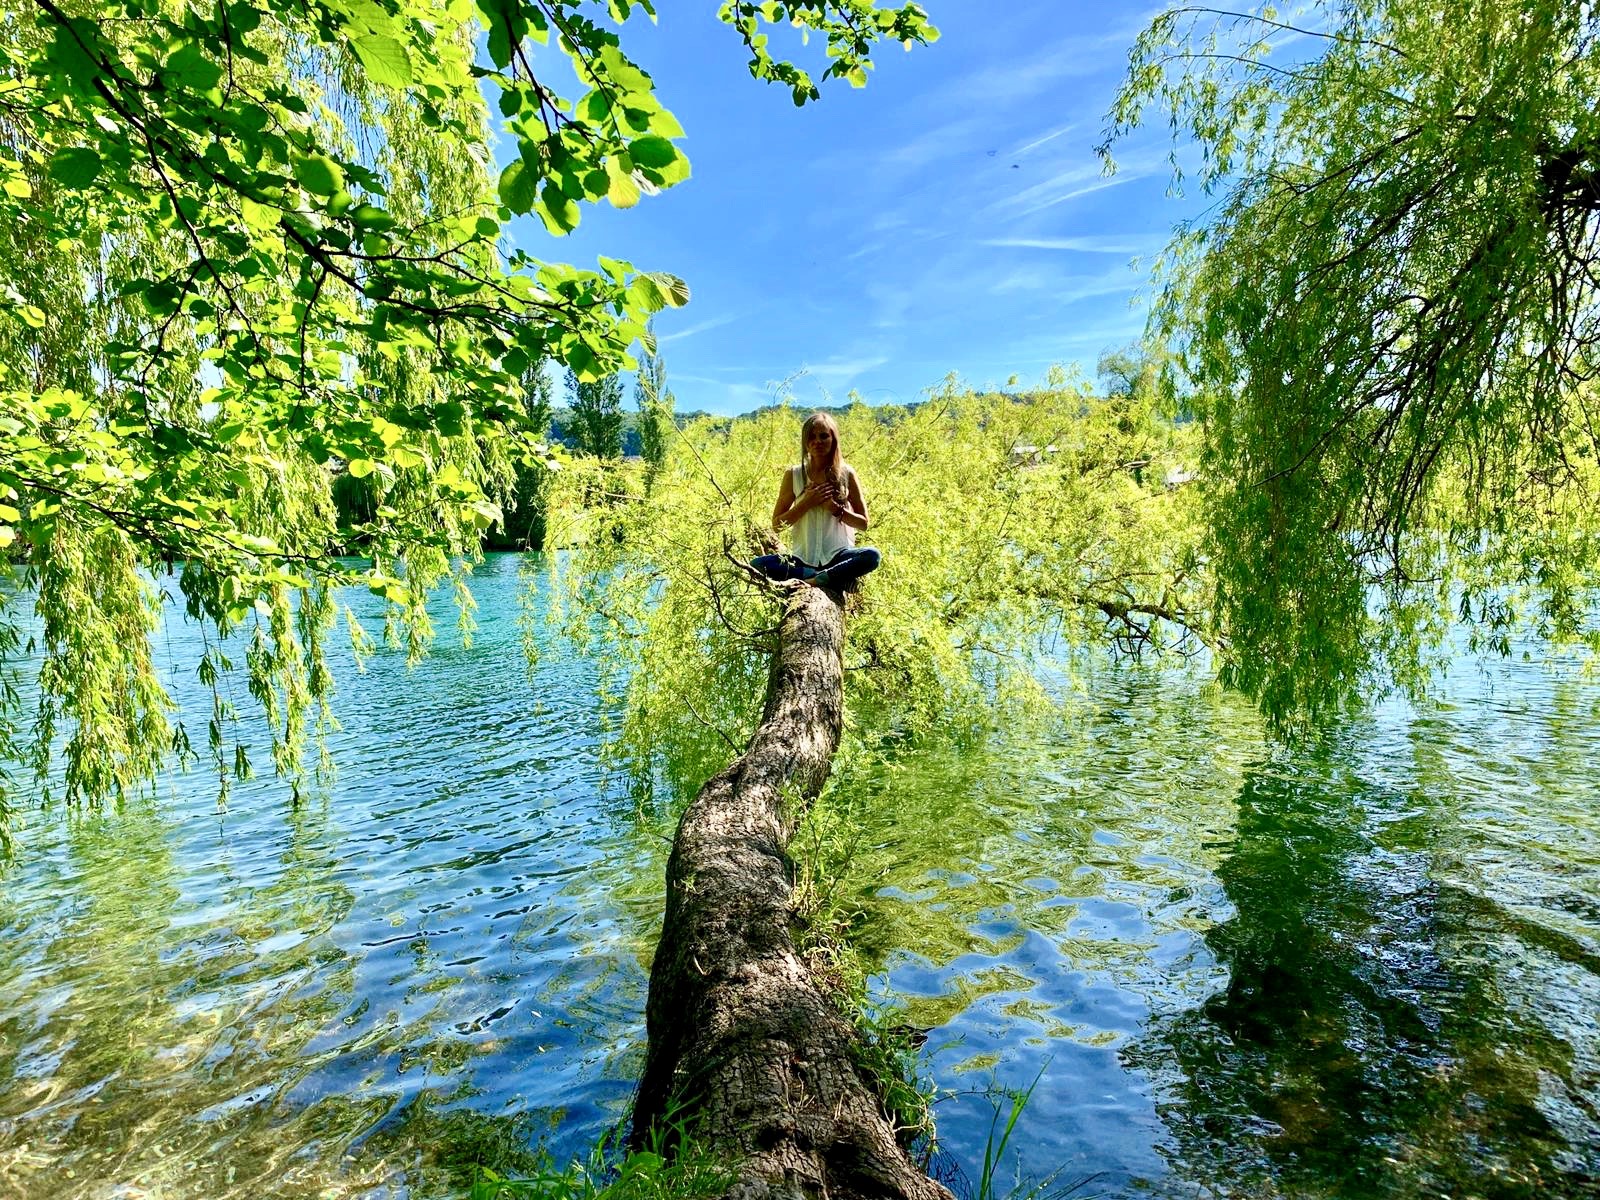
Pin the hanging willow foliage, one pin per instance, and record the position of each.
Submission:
(258, 251)
(1013, 530)
(1391, 320)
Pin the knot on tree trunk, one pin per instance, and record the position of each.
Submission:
(741, 1037)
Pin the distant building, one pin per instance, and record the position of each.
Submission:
(1024, 453)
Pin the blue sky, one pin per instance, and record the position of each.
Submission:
(950, 217)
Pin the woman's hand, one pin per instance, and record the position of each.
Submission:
(815, 494)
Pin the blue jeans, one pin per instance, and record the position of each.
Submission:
(843, 569)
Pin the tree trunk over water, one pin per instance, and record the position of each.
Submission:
(740, 1035)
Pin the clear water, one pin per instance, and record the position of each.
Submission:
(1371, 969)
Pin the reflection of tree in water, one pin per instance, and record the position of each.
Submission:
(1363, 1044)
(170, 1022)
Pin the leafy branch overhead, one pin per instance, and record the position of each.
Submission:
(252, 248)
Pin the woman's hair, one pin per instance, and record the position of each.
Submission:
(836, 463)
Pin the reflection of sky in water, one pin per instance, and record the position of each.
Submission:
(439, 962)
(1371, 968)
(1368, 968)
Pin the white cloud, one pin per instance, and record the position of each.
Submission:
(702, 327)
(1097, 244)
(1049, 137)
(1116, 180)
(1065, 289)
(839, 371)
(932, 145)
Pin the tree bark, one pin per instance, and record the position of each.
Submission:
(741, 1037)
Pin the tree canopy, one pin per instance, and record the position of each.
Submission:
(596, 414)
(1389, 324)
(1007, 524)
(252, 248)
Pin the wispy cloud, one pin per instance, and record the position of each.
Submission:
(1004, 83)
(1116, 180)
(838, 371)
(1049, 137)
(702, 327)
(1028, 198)
(1099, 244)
(1065, 289)
(934, 145)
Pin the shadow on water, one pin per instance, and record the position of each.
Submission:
(1368, 970)
(1034, 903)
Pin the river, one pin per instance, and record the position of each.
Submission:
(1365, 968)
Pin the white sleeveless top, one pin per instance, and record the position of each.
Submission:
(818, 535)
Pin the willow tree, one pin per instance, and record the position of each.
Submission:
(1389, 320)
(251, 248)
(1006, 523)
(1014, 529)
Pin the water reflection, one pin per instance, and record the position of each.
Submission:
(1410, 1005)
(438, 964)
(1372, 970)
(1038, 904)
(1369, 970)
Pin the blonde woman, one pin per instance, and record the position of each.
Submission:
(820, 502)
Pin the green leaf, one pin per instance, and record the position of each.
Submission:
(652, 151)
(190, 67)
(623, 192)
(674, 290)
(319, 174)
(664, 123)
(559, 213)
(385, 59)
(583, 362)
(68, 51)
(499, 45)
(74, 167)
(18, 187)
(370, 216)
(360, 468)
(518, 187)
(259, 217)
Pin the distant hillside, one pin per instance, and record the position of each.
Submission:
(561, 422)
(562, 419)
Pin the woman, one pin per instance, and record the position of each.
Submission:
(820, 500)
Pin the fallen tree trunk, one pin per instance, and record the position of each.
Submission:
(740, 1034)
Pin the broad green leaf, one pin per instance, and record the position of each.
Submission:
(652, 151)
(385, 58)
(370, 216)
(518, 187)
(74, 167)
(319, 174)
(260, 217)
(560, 214)
(623, 192)
(673, 289)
